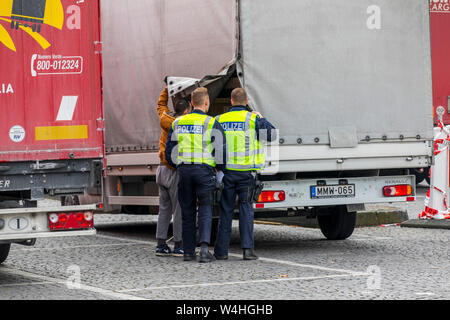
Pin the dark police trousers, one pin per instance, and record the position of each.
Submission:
(236, 183)
(196, 186)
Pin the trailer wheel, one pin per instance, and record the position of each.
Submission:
(4, 251)
(420, 176)
(39, 28)
(12, 24)
(17, 25)
(33, 27)
(337, 223)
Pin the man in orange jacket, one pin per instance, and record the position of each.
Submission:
(167, 180)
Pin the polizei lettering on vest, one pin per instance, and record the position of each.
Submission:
(190, 129)
(233, 126)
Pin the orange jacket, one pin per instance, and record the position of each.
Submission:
(165, 119)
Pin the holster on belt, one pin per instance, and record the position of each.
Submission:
(218, 192)
(255, 191)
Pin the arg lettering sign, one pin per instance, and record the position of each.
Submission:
(440, 6)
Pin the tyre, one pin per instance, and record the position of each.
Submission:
(420, 175)
(33, 27)
(12, 24)
(336, 223)
(4, 251)
(68, 201)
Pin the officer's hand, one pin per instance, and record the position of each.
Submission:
(258, 114)
(220, 176)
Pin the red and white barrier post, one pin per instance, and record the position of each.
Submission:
(437, 204)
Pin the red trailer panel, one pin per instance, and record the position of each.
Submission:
(50, 80)
(440, 47)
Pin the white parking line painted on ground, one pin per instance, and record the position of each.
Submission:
(26, 284)
(217, 284)
(368, 239)
(277, 261)
(301, 265)
(425, 294)
(147, 242)
(104, 292)
(356, 234)
(77, 247)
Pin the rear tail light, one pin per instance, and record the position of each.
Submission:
(402, 190)
(272, 196)
(71, 221)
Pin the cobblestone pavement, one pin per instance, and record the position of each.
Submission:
(296, 263)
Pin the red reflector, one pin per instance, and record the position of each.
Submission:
(411, 199)
(401, 190)
(70, 221)
(259, 206)
(62, 218)
(272, 196)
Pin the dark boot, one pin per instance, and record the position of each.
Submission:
(205, 256)
(218, 257)
(250, 255)
(189, 257)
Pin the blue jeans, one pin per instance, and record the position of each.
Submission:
(235, 184)
(196, 186)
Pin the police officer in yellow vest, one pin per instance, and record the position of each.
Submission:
(201, 148)
(245, 157)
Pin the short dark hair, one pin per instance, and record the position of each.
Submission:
(181, 106)
(199, 96)
(239, 96)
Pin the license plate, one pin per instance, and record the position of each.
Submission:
(337, 191)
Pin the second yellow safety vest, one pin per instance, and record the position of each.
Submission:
(244, 151)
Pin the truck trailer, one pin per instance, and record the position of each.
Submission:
(51, 120)
(347, 83)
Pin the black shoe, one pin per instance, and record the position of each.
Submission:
(249, 255)
(189, 257)
(220, 257)
(163, 250)
(205, 256)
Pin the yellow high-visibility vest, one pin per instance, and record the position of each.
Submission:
(244, 151)
(193, 132)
